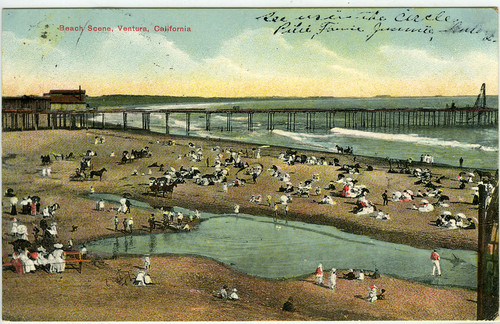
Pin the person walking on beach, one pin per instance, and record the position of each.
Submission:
(372, 294)
(435, 263)
(332, 283)
(13, 205)
(269, 200)
(125, 224)
(116, 222)
(128, 204)
(130, 224)
(461, 161)
(385, 198)
(319, 275)
(147, 262)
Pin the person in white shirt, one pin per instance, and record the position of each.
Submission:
(332, 283)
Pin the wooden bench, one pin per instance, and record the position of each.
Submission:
(74, 260)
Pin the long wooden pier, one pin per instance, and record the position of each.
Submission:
(346, 118)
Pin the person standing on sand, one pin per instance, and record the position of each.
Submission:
(116, 222)
(332, 283)
(461, 161)
(130, 224)
(385, 198)
(125, 224)
(319, 275)
(269, 200)
(147, 262)
(13, 205)
(435, 263)
(372, 295)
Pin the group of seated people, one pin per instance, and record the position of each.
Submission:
(360, 274)
(223, 294)
(142, 279)
(363, 206)
(25, 261)
(256, 199)
(327, 200)
(424, 206)
(448, 221)
(427, 158)
(405, 195)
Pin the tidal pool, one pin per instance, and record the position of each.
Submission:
(259, 247)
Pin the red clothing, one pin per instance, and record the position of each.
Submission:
(33, 209)
(18, 265)
(434, 256)
(318, 271)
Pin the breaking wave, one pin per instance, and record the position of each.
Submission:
(409, 138)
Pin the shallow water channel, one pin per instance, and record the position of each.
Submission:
(259, 247)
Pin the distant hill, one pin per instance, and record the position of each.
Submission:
(129, 100)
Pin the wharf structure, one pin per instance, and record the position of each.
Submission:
(68, 109)
(24, 119)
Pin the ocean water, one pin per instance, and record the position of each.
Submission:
(477, 145)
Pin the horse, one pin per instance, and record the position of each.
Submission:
(162, 185)
(97, 173)
(482, 174)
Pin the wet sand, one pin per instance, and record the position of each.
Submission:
(183, 285)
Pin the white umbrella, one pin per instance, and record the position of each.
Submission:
(445, 213)
(461, 215)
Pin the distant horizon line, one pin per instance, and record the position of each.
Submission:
(267, 97)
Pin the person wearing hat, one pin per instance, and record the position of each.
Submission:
(56, 259)
(222, 293)
(40, 258)
(234, 295)
(139, 279)
(319, 275)
(332, 282)
(13, 226)
(28, 264)
(435, 263)
(130, 224)
(372, 294)
(147, 262)
(13, 205)
(100, 205)
(152, 222)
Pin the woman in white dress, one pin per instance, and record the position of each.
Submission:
(56, 259)
(28, 264)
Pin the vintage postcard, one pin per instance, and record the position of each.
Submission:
(263, 164)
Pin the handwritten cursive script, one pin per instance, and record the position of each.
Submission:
(375, 22)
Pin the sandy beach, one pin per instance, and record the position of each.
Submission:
(183, 285)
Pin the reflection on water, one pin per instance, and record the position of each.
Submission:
(260, 247)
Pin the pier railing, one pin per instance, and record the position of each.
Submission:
(346, 118)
